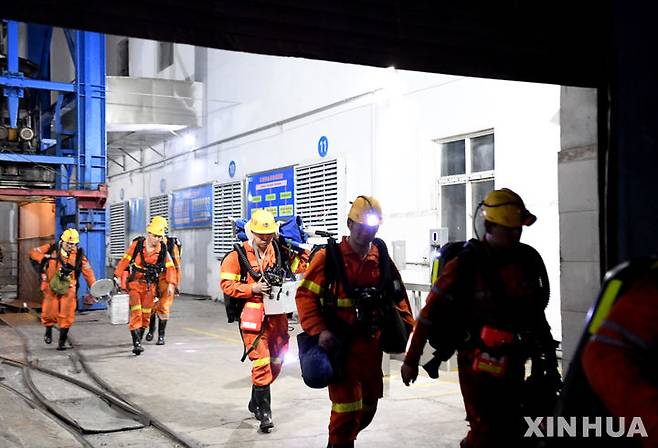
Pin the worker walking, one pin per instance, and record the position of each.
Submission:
(139, 270)
(247, 276)
(164, 301)
(619, 359)
(60, 265)
(349, 291)
(488, 304)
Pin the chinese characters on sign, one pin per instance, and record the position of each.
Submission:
(192, 207)
(273, 191)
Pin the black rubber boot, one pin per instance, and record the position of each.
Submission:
(137, 341)
(48, 337)
(162, 324)
(253, 406)
(149, 335)
(263, 401)
(63, 334)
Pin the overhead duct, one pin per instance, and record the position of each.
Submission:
(152, 105)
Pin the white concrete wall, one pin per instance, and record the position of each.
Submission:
(579, 213)
(386, 138)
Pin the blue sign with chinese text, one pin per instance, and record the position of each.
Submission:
(274, 191)
(192, 207)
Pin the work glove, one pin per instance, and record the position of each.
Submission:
(117, 284)
(409, 373)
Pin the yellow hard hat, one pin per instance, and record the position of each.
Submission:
(70, 236)
(366, 210)
(506, 208)
(262, 222)
(160, 221)
(157, 226)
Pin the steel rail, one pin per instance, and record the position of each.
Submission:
(36, 405)
(147, 419)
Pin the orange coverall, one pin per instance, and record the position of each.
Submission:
(354, 398)
(59, 309)
(267, 356)
(141, 294)
(619, 361)
(493, 404)
(165, 299)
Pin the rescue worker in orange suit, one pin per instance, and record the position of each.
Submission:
(619, 361)
(61, 260)
(165, 300)
(144, 261)
(355, 394)
(265, 349)
(501, 288)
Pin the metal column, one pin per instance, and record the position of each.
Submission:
(91, 149)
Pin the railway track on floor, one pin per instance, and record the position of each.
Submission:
(124, 420)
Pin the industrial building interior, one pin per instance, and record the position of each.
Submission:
(57, 145)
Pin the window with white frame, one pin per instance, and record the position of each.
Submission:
(467, 175)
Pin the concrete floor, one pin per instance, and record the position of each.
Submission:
(197, 385)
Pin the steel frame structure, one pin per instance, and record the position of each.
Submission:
(80, 153)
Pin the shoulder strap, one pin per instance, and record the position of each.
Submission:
(534, 265)
(283, 256)
(245, 266)
(277, 253)
(386, 280)
(470, 255)
(333, 272)
(173, 242)
(138, 248)
(162, 256)
(333, 250)
(44, 261)
(78, 262)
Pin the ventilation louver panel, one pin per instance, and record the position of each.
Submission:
(117, 229)
(159, 206)
(228, 201)
(317, 190)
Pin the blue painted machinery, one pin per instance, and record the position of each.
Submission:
(52, 134)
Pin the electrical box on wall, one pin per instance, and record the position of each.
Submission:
(438, 236)
(399, 253)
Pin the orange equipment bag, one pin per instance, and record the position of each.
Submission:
(492, 362)
(251, 318)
